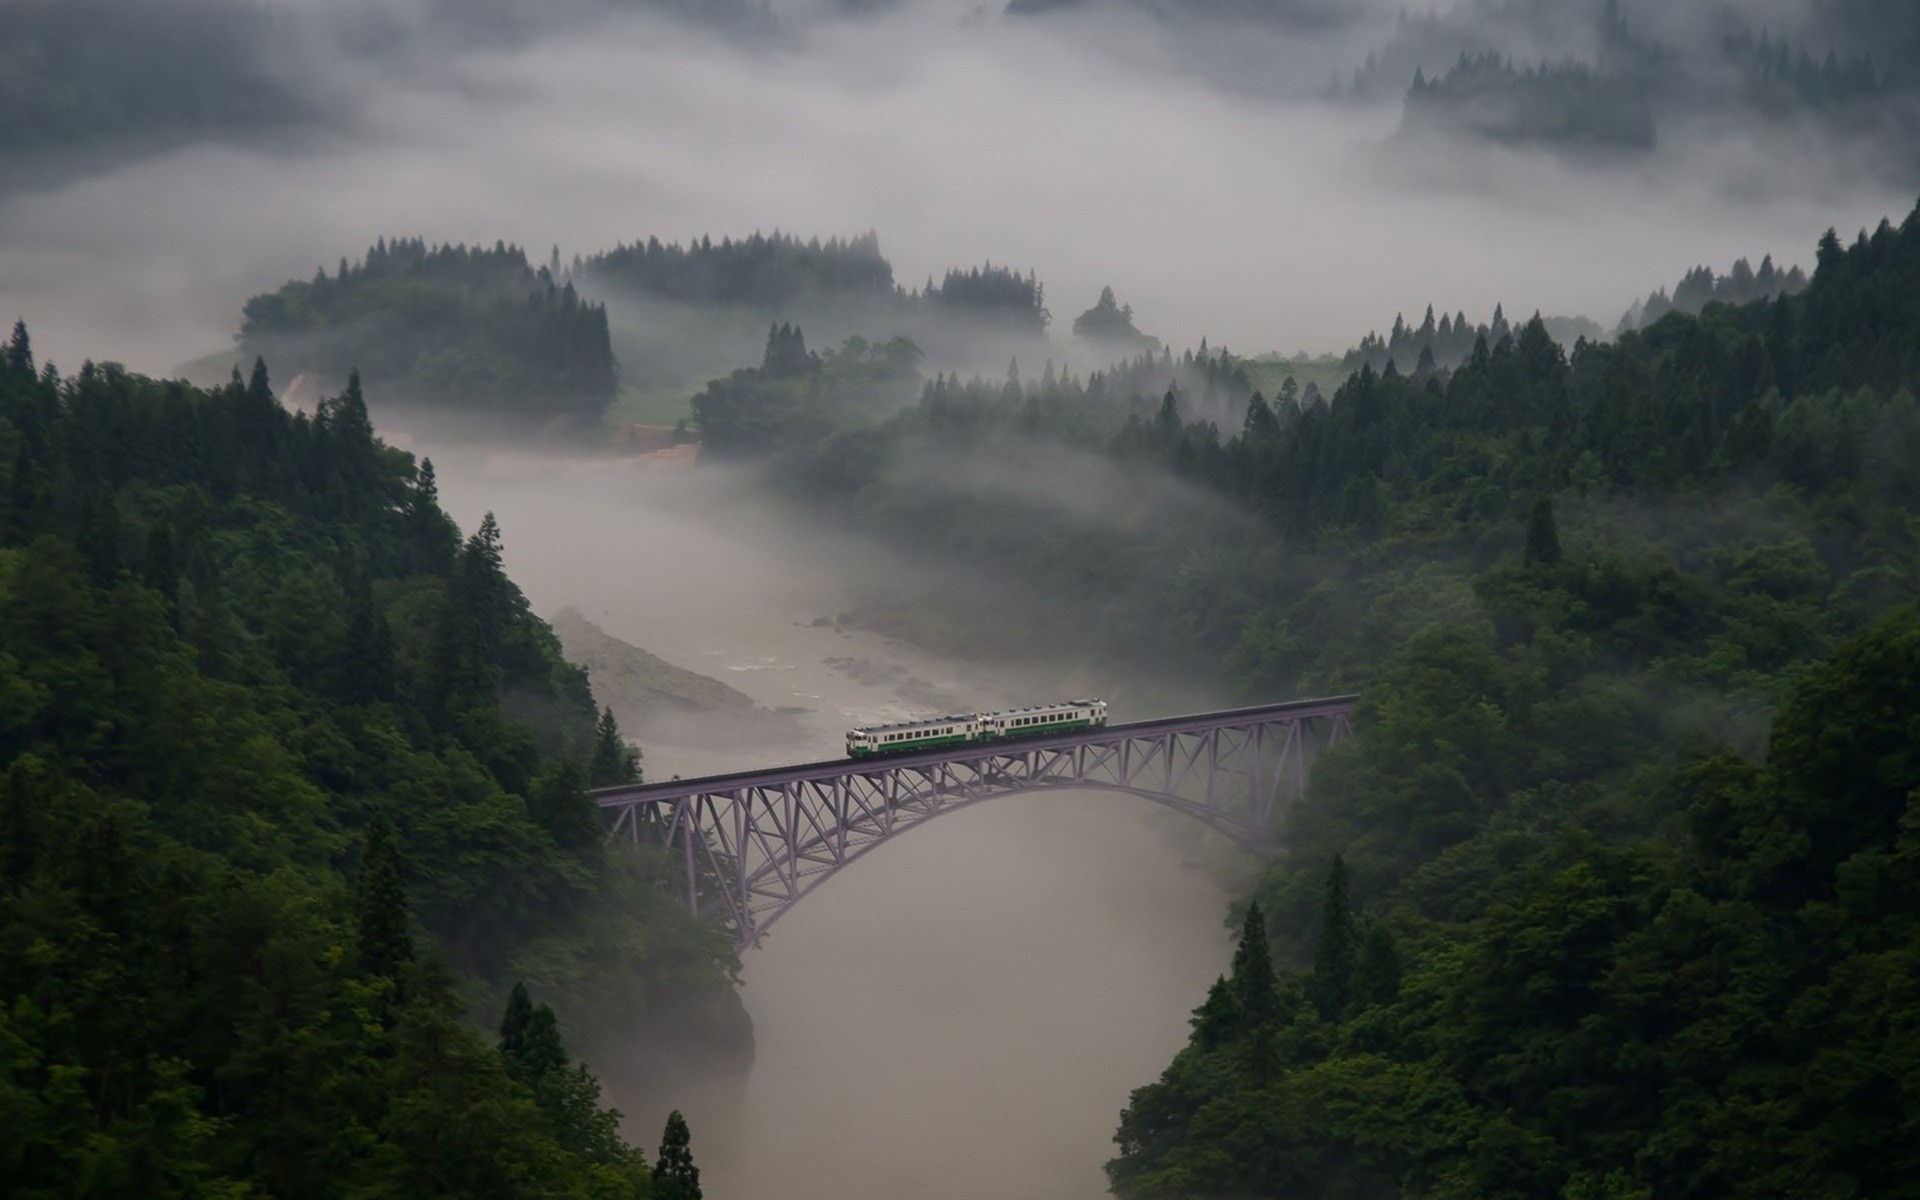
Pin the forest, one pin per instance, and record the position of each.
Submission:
(758, 271)
(1565, 103)
(444, 324)
(1604, 900)
(295, 780)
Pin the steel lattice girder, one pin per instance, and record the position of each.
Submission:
(752, 844)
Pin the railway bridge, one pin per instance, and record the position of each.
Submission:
(754, 843)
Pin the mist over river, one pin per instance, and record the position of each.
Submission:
(964, 1011)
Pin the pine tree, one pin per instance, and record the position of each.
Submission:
(513, 1025)
(542, 1051)
(614, 762)
(19, 352)
(380, 909)
(1543, 535)
(1217, 1021)
(1255, 992)
(1334, 950)
(674, 1175)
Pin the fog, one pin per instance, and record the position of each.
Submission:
(965, 1011)
(1091, 152)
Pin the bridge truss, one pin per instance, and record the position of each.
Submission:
(752, 845)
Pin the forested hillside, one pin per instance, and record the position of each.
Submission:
(290, 769)
(1548, 927)
(1595, 931)
(444, 324)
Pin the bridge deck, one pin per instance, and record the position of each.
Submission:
(620, 797)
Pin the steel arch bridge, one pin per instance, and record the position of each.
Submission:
(753, 844)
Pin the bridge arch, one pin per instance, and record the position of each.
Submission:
(753, 845)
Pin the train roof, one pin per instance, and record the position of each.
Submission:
(979, 716)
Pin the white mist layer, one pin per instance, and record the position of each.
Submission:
(962, 1012)
(1092, 154)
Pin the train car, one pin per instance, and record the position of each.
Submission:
(961, 729)
(953, 730)
(1043, 719)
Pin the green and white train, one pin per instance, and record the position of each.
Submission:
(965, 729)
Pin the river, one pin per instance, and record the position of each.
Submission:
(965, 1011)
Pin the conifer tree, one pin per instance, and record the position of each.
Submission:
(19, 352)
(380, 909)
(513, 1025)
(675, 1177)
(614, 762)
(1255, 992)
(1217, 1021)
(1334, 950)
(542, 1052)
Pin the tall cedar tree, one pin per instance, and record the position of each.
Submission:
(614, 762)
(1335, 950)
(380, 909)
(513, 1025)
(674, 1176)
(1255, 991)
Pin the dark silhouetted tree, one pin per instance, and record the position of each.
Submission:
(675, 1177)
(1334, 950)
(385, 940)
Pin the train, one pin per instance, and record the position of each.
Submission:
(966, 729)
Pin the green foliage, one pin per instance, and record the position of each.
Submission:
(1691, 982)
(1599, 952)
(758, 271)
(674, 1175)
(1336, 948)
(479, 328)
(243, 830)
(383, 939)
(614, 762)
(796, 397)
(1111, 323)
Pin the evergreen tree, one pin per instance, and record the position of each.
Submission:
(513, 1024)
(19, 352)
(560, 805)
(1334, 950)
(614, 762)
(380, 910)
(675, 1177)
(1256, 994)
(1217, 1021)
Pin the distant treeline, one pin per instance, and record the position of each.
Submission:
(1449, 341)
(1575, 73)
(759, 271)
(1565, 103)
(445, 324)
(280, 753)
(1701, 287)
(775, 273)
